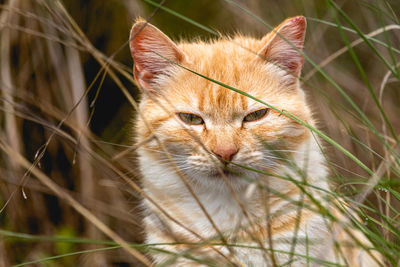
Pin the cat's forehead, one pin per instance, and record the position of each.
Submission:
(223, 57)
(195, 94)
(209, 99)
(229, 64)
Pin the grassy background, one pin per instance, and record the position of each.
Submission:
(67, 103)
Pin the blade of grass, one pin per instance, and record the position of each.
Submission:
(76, 205)
(366, 40)
(65, 255)
(363, 74)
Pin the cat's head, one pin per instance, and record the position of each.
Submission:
(202, 124)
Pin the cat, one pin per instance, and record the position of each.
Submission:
(201, 143)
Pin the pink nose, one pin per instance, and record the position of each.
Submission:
(225, 153)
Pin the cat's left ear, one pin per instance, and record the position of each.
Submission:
(282, 45)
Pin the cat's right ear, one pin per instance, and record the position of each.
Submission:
(153, 53)
(284, 44)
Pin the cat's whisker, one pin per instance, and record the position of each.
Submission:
(166, 154)
(285, 153)
(172, 165)
(174, 159)
(163, 152)
(264, 166)
(186, 168)
(286, 150)
(272, 158)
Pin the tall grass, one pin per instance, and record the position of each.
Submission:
(69, 186)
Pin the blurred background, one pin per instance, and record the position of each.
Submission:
(68, 104)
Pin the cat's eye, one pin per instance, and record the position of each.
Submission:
(256, 115)
(190, 118)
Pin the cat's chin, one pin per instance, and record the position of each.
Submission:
(223, 175)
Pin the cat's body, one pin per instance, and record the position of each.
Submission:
(200, 126)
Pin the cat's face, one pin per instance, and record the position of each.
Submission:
(207, 129)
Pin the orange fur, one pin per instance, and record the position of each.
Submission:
(186, 159)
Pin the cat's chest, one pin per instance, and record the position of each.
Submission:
(226, 211)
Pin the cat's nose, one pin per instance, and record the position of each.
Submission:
(225, 153)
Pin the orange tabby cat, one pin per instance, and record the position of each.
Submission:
(198, 135)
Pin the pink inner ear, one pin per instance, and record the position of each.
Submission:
(281, 51)
(147, 43)
(143, 77)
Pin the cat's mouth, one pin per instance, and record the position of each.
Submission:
(225, 172)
